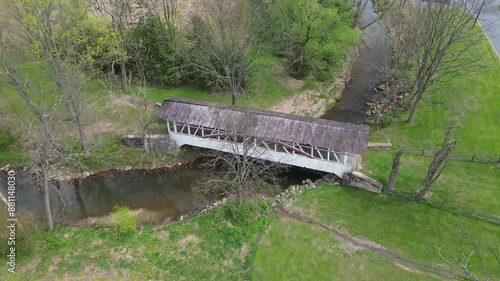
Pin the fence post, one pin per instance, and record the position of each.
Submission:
(423, 149)
(473, 156)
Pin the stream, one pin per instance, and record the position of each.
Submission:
(365, 71)
(169, 192)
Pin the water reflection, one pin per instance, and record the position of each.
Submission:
(168, 192)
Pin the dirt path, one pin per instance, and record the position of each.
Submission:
(313, 103)
(356, 243)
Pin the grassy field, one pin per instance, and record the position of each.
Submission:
(470, 184)
(473, 185)
(196, 249)
(477, 94)
(412, 230)
(297, 251)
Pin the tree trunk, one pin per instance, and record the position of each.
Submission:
(46, 198)
(414, 107)
(239, 195)
(123, 75)
(83, 138)
(146, 143)
(4, 200)
(421, 193)
(394, 171)
(439, 162)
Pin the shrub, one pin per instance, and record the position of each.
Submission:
(247, 220)
(6, 138)
(385, 121)
(330, 105)
(397, 112)
(156, 58)
(124, 221)
(26, 241)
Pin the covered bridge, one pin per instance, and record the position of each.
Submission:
(318, 144)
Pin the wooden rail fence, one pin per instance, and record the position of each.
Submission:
(454, 157)
(448, 206)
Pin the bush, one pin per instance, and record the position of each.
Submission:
(154, 53)
(330, 105)
(398, 112)
(26, 241)
(385, 121)
(247, 220)
(6, 138)
(124, 221)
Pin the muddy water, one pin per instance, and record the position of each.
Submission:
(169, 192)
(365, 71)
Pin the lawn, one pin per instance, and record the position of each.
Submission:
(413, 230)
(472, 185)
(478, 94)
(293, 250)
(195, 249)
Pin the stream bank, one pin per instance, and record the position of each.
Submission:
(357, 83)
(158, 194)
(374, 55)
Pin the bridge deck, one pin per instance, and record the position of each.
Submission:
(299, 155)
(313, 143)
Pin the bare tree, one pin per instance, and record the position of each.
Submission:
(224, 46)
(239, 167)
(394, 171)
(145, 111)
(46, 25)
(44, 150)
(473, 257)
(439, 161)
(168, 11)
(443, 33)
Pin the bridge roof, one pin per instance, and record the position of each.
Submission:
(266, 124)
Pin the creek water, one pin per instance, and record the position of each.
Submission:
(169, 192)
(365, 71)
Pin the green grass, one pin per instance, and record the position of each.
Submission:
(411, 229)
(472, 185)
(477, 93)
(293, 250)
(196, 249)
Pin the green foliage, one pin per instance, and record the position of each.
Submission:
(313, 36)
(26, 241)
(124, 221)
(385, 121)
(247, 220)
(69, 32)
(6, 138)
(330, 105)
(152, 53)
(197, 248)
(398, 112)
